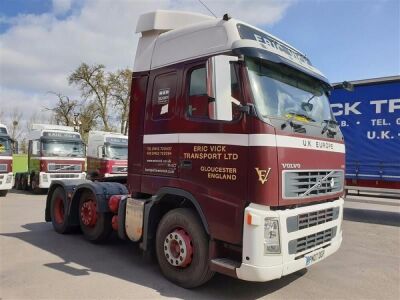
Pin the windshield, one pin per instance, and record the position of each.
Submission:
(282, 92)
(63, 148)
(5, 146)
(117, 152)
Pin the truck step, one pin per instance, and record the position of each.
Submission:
(226, 263)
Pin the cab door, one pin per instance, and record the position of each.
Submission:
(213, 154)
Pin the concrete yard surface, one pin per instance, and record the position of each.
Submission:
(36, 262)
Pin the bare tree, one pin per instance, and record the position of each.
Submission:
(64, 110)
(120, 92)
(15, 126)
(95, 86)
(87, 119)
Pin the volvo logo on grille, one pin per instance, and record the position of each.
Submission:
(319, 183)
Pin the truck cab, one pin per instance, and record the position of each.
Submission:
(54, 152)
(6, 174)
(107, 155)
(235, 163)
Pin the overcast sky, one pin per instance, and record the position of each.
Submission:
(43, 41)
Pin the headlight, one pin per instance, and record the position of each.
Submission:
(272, 243)
(9, 179)
(45, 178)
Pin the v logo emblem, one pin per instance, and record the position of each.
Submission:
(263, 175)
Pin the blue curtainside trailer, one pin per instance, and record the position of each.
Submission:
(369, 117)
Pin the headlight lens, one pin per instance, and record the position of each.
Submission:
(9, 179)
(271, 236)
(45, 178)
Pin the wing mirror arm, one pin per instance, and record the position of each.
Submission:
(248, 109)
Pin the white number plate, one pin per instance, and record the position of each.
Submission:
(310, 259)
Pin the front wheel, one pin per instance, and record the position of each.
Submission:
(182, 248)
(96, 227)
(3, 193)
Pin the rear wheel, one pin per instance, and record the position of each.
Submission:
(35, 184)
(3, 193)
(95, 226)
(182, 248)
(17, 182)
(58, 211)
(24, 182)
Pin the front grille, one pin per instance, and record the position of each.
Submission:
(3, 168)
(311, 241)
(311, 219)
(311, 183)
(64, 167)
(119, 169)
(64, 176)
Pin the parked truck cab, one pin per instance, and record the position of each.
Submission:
(6, 174)
(235, 160)
(107, 155)
(54, 152)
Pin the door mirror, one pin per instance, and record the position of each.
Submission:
(14, 146)
(101, 151)
(35, 147)
(219, 86)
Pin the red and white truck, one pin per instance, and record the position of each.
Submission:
(107, 155)
(54, 152)
(6, 174)
(235, 165)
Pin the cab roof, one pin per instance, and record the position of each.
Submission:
(170, 37)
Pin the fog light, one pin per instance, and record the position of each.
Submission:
(271, 236)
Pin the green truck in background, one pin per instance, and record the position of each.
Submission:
(20, 163)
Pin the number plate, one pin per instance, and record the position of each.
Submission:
(310, 259)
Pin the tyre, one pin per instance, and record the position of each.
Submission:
(96, 227)
(17, 182)
(182, 248)
(3, 193)
(35, 184)
(58, 206)
(24, 182)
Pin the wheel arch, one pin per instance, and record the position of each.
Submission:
(102, 191)
(166, 199)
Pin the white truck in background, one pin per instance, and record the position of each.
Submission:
(6, 174)
(107, 155)
(54, 152)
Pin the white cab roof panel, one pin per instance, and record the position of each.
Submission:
(170, 37)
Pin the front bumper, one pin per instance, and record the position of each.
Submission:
(45, 179)
(6, 181)
(257, 266)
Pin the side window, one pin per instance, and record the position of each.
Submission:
(198, 99)
(198, 104)
(164, 96)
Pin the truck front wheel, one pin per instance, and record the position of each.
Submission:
(57, 210)
(95, 226)
(3, 193)
(182, 248)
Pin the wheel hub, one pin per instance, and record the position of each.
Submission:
(59, 210)
(178, 248)
(88, 213)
